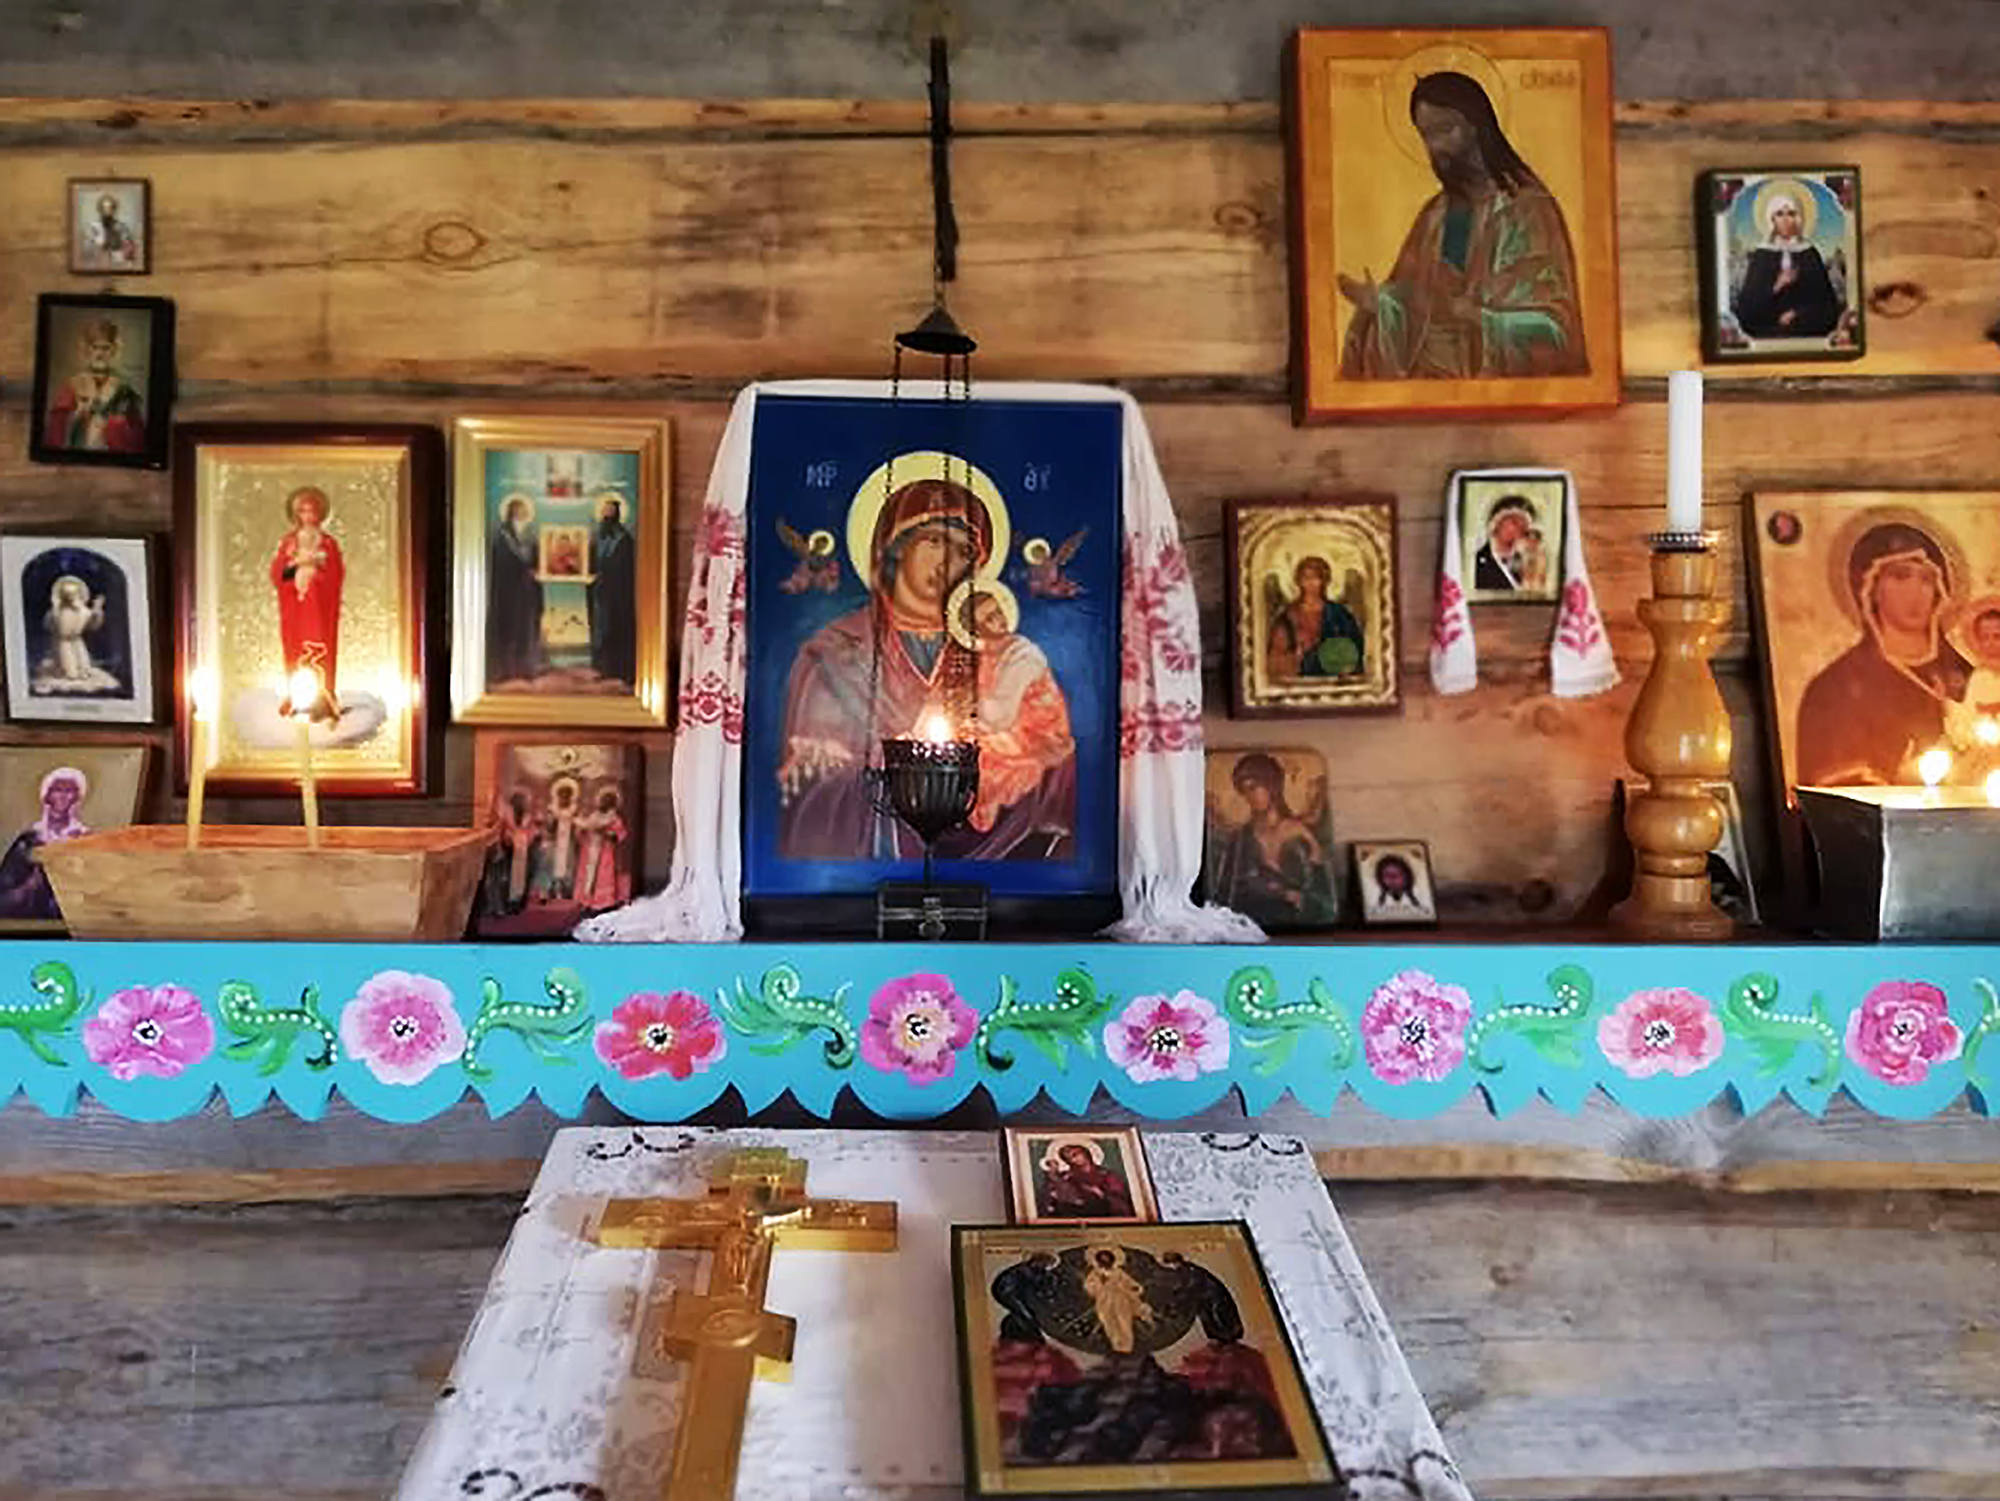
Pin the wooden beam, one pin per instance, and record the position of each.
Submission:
(1643, 1341)
(145, 119)
(1473, 1161)
(481, 250)
(270, 1185)
(1607, 1341)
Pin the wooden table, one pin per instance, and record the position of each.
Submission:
(1595, 1305)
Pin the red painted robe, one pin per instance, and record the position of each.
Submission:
(309, 623)
(107, 417)
(827, 700)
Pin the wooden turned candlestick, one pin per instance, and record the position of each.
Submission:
(1678, 738)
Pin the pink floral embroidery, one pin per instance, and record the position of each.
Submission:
(1579, 630)
(402, 1026)
(709, 700)
(1671, 1031)
(1157, 1037)
(915, 1026)
(651, 1033)
(1449, 622)
(158, 1030)
(1413, 1027)
(720, 534)
(1153, 633)
(1900, 1029)
(1153, 728)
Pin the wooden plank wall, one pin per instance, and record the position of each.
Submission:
(424, 259)
(1619, 1323)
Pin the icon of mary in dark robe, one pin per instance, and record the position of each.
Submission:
(1868, 714)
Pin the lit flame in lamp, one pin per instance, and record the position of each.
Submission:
(1993, 788)
(937, 729)
(1987, 730)
(1932, 766)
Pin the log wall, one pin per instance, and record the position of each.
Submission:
(421, 260)
(1715, 1306)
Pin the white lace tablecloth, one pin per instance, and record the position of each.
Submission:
(542, 1403)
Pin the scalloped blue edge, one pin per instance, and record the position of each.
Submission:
(1566, 1068)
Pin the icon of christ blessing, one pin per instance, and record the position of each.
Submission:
(918, 622)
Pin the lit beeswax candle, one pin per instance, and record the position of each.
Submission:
(201, 709)
(305, 693)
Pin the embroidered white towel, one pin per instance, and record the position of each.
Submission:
(1580, 660)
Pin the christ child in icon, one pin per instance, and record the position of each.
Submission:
(307, 572)
(1024, 730)
(1077, 1185)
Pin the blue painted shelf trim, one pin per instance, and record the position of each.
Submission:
(153, 1030)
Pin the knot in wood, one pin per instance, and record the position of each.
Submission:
(1896, 299)
(1238, 218)
(452, 242)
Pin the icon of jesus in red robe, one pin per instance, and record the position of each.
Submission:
(307, 573)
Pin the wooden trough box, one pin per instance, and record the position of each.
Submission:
(362, 885)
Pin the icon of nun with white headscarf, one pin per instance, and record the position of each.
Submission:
(1787, 290)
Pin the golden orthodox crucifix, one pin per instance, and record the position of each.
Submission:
(756, 1202)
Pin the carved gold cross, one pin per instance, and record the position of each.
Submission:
(756, 1201)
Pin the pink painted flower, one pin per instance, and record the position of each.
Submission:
(1413, 1027)
(651, 1033)
(158, 1030)
(916, 1025)
(1161, 1038)
(402, 1026)
(1900, 1029)
(1671, 1031)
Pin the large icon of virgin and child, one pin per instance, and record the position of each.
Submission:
(1883, 623)
(928, 621)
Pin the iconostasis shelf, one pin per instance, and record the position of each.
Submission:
(403, 1031)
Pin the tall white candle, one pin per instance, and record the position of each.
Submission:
(305, 693)
(201, 705)
(1684, 451)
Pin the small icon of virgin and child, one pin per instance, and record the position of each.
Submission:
(1516, 543)
(1924, 672)
(1077, 1178)
(937, 622)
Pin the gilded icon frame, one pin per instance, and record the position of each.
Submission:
(1226, 1252)
(392, 474)
(1723, 193)
(1025, 1147)
(473, 698)
(1257, 536)
(149, 379)
(1375, 69)
(1415, 857)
